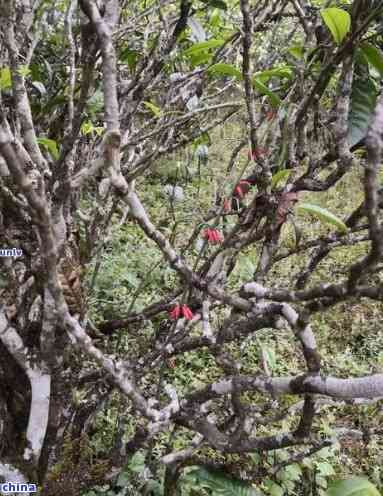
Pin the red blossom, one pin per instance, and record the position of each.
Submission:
(213, 236)
(175, 313)
(226, 205)
(187, 313)
(242, 188)
(270, 115)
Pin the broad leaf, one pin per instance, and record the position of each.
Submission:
(352, 487)
(374, 56)
(137, 462)
(362, 107)
(281, 72)
(50, 145)
(264, 90)
(280, 176)
(200, 58)
(225, 70)
(338, 22)
(325, 469)
(323, 215)
(273, 488)
(203, 46)
(221, 484)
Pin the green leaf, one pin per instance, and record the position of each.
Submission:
(374, 56)
(292, 472)
(297, 51)
(323, 215)
(352, 487)
(264, 90)
(5, 78)
(24, 70)
(203, 46)
(281, 72)
(325, 469)
(215, 19)
(86, 128)
(130, 57)
(156, 110)
(225, 70)
(338, 22)
(137, 462)
(50, 145)
(221, 484)
(362, 107)
(200, 58)
(280, 176)
(273, 489)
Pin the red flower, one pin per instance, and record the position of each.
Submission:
(242, 188)
(181, 311)
(213, 236)
(226, 205)
(257, 153)
(187, 313)
(175, 313)
(270, 115)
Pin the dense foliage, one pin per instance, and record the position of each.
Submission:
(195, 191)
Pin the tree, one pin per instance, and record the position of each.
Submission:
(94, 97)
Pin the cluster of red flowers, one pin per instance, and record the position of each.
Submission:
(181, 311)
(213, 236)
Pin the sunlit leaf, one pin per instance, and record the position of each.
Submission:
(24, 70)
(156, 110)
(323, 215)
(273, 489)
(280, 176)
(203, 46)
(50, 145)
(338, 22)
(352, 487)
(281, 72)
(5, 78)
(325, 469)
